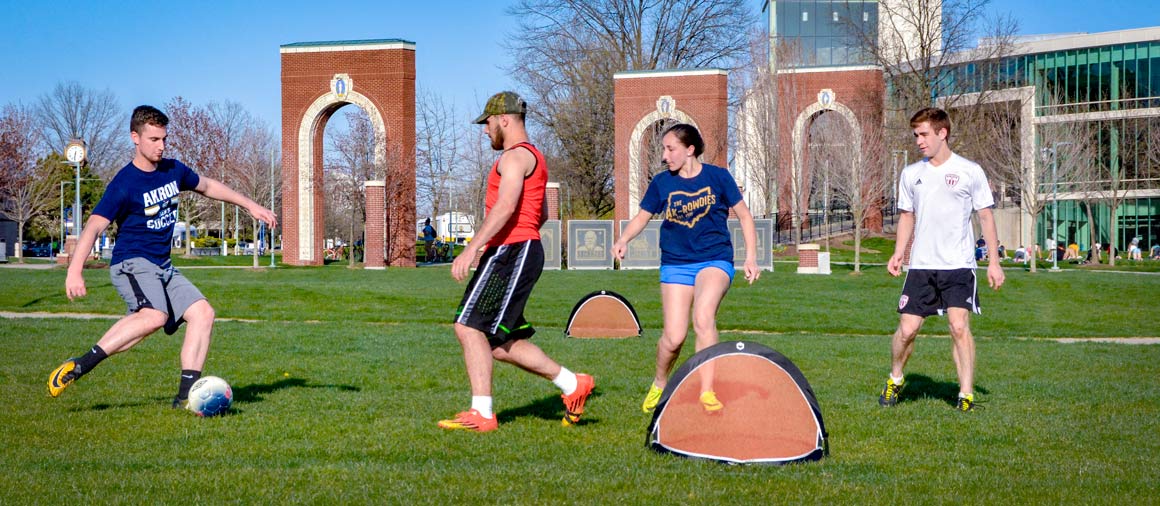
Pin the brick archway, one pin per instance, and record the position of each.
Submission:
(642, 98)
(318, 78)
(801, 126)
(856, 94)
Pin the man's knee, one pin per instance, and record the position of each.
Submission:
(200, 312)
(153, 317)
(907, 330)
(959, 329)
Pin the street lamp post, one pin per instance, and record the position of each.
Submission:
(1055, 202)
(270, 235)
(63, 227)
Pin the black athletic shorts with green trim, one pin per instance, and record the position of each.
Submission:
(495, 298)
(928, 292)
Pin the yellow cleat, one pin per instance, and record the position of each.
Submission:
(651, 398)
(710, 402)
(62, 377)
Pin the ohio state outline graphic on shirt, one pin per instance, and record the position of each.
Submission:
(687, 208)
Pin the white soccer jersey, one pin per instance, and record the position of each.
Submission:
(942, 199)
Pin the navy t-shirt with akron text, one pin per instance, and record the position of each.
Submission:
(144, 207)
(695, 214)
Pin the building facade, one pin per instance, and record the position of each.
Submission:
(1093, 122)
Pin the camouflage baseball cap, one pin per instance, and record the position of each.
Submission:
(504, 102)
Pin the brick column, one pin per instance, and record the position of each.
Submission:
(807, 259)
(376, 225)
(552, 195)
(70, 244)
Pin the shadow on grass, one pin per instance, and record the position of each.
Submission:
(61, 296)
(548, 408)
(919, 386)
(106, 406)
(254, 393)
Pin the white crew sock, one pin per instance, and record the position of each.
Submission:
(482, 404)
(898, 380)
(566, 380)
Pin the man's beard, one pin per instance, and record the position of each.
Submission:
(497, 140)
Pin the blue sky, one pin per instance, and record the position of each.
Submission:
(228, 50)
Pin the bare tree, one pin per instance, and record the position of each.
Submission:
(25, 193)
(234, 123)
(477, 159)
(1117, 174)
(756, 151)
(196, 139)
(348, 167)
(71, 111)
(252, 170)
(566, 52)
(854, 171)
(438, 151)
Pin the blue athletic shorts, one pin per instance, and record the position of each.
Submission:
(686, 274)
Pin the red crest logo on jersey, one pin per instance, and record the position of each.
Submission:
(952, 180)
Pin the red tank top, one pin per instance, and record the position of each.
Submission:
(525, 222)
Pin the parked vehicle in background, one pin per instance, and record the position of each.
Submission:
(40, 249)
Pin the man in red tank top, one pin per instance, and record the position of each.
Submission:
(490, 320)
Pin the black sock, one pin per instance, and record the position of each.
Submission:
(188, 377)
(90, 360)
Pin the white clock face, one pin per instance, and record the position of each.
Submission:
(75, 153)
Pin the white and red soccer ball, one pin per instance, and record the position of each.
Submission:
(210, 396)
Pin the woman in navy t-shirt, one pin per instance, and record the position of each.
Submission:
(693, 199)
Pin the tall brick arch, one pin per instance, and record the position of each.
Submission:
(643, 98)
(857, 95)
(318, 78)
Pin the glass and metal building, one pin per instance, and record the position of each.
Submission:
(826, 33)
(1107, 86)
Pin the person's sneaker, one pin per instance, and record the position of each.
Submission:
(470, 420)
(710, 402)
(62, 377)
(890, 392)
(180, 403)
(651, 398)
(574, 404)
(966, 403)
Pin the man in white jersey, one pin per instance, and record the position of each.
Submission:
(936, 196)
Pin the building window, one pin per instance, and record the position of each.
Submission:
(805, 16)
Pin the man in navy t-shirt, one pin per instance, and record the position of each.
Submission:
(142, 200)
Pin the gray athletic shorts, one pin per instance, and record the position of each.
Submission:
(144, 284)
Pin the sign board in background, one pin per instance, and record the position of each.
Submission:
(764, 243)
(590, 244)
(644, 251)
(550, 237)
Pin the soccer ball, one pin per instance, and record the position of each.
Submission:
(210, 396)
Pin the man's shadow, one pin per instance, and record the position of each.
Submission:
(246, 394)
(547, 408)
(919, 386)
(256, 392)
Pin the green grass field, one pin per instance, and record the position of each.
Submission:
(340, 375)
